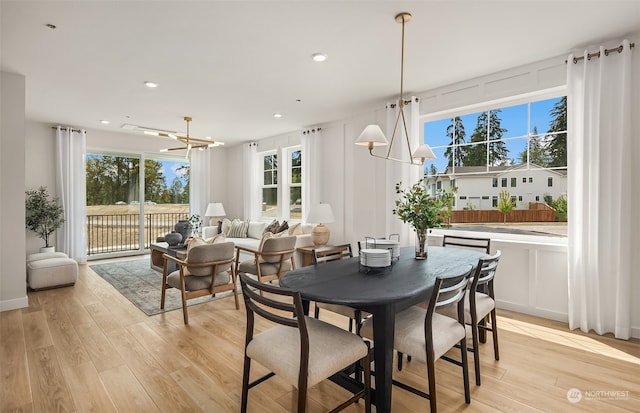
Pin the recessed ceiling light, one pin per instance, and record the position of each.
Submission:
(319, 57)
(277, 115)
(150, 84)
(105, 122)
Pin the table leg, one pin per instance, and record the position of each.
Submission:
(383, 332)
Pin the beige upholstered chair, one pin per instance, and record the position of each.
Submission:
(428, 335)
(300, 350)
(271, 261)
(479, 306)
(327, 254)
(207, 270)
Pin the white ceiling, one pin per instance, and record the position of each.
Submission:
(232, 64)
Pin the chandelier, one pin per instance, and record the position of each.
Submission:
(188, 142)
(372, 135)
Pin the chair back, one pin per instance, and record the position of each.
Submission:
(449, 291)
(485, 272)
(273, 248)
(326, 254)
(203, 258)
(467, 242)
(289, 302)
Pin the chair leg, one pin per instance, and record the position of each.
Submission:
(367, 382)
(465, 370)
(235, 289)
(494, 330)
(482, 331)
(316, 312)
(400, 355)
(245, 384)
(431, 374)
(183, 293)
(476, 350)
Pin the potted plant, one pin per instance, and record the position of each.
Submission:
(43, 214)
(420, 210)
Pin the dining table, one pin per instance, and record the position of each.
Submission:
(382, 292)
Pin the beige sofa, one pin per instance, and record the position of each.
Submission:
(254, 235)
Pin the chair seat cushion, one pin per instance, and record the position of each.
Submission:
(409, 332)
(266, 268)
(330, 350)
(197, 282)
(484, 305)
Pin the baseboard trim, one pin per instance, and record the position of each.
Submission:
(14, 304)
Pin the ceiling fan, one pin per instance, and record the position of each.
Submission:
(188, 141)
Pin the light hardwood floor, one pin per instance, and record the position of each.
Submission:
(88, 349)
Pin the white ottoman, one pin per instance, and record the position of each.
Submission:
(50, 270)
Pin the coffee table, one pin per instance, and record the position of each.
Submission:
(158, 249)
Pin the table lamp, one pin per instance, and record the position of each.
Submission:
(214, 210)
(322, 214)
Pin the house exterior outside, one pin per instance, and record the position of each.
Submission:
(478, 188)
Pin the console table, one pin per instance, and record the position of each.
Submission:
(160, 248)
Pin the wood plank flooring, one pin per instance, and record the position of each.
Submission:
(88, 349)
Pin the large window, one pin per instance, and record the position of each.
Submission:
(127, 210)
(282, 184)
(526, 142)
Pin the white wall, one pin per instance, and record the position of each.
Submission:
(13, 286)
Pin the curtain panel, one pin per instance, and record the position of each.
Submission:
(312, 164)
(251, 182)
(71, 190)
(200, 179)
(599, 188)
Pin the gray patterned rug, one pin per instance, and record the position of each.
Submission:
(143, 286)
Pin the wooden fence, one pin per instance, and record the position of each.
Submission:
(540, 214)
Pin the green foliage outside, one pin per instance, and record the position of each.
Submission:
(113, 179)
(43, 215)
(505, 203)
(447, 197)
(559, 204)
(489, 131)
(456, 133)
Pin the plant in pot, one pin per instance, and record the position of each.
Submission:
(420, 210)
(43, 214)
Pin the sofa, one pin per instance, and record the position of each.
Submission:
(254, 232)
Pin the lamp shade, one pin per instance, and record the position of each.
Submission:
(215, 209)
(372, 136)
(423, 152)
(321, 213)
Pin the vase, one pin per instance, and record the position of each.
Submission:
(184, 228)
(47, 249)
(173, 238)
(421, 243)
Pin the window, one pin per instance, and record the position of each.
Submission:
(494, 202)
(513, 200)
(462, 197)
(502, 143)
(550, 181)
(486, 197)
(282, 184)
(452, 183)
(537, 198)
(520, 198)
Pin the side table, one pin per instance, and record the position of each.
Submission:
(158, 249)
(307, 253)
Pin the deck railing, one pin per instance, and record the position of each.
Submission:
(121, 232)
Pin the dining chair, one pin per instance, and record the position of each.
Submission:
(273, 258)
(321, 256)
(301, 350)
(478, 306)
(207, 270)
(428, 335)
(467, 242)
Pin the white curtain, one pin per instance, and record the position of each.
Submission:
(71, 190)
(199, 182)
(600, 207)
(312, 161)
(251, 181)
(402, 172)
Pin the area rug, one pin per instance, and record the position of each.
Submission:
(143, 286)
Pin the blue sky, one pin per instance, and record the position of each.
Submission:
(513, 118)
(169, 170)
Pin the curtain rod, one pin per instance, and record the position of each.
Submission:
(606, 53)
(67, 128)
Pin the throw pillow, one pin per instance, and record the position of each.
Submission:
(282, 234)
(265, 237)
(282, 227)
(219, 227)
(216, 239)
(256, 229)
(238, 229)
(225, 226)
(296, 229)
(195, 242)
(272, 227)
